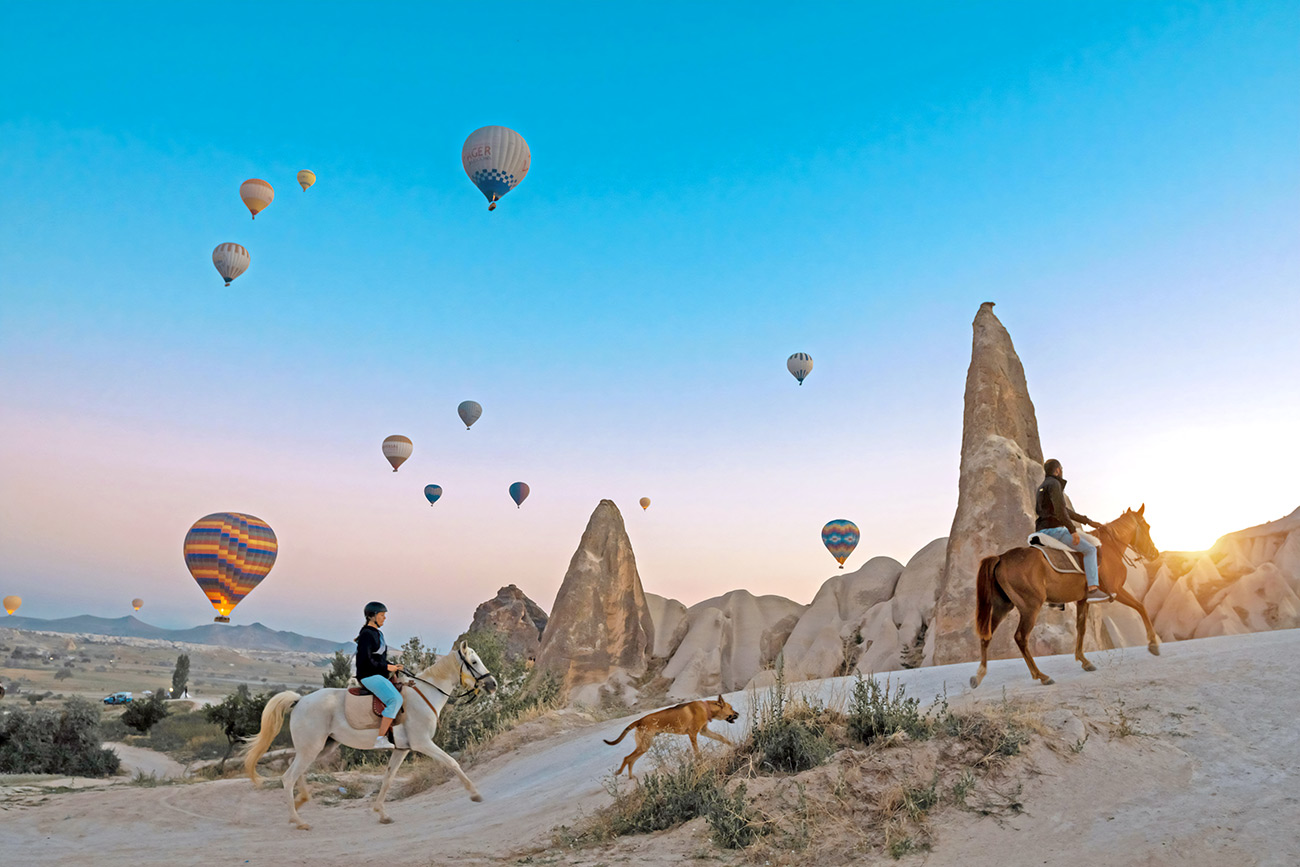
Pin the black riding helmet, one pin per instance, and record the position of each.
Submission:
(373, 608)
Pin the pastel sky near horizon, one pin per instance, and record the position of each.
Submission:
(714, 187)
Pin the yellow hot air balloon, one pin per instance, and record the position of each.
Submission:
(257, 194)
(136, 604)
(645, 503)
(306, 177)
(12, 604)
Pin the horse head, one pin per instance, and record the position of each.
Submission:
(1141, 533)
(473, 673)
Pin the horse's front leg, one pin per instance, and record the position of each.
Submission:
(394, 762)
(1080, 625)
(424, 744)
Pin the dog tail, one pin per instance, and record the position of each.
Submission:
(620, 737)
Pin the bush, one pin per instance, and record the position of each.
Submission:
(63, 674)
(55, 742)
(340, 671)
(142, 715)
(783, 738)
(876, 712)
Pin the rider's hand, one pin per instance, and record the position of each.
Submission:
(397, 667)
(1074, 537)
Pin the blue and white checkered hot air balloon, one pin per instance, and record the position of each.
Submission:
(496, 158)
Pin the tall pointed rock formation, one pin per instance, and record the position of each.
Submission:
(1001, 468)
(599, 633)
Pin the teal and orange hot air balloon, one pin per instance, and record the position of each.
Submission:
(840, 538)
(229, 554)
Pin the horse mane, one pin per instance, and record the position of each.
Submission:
(444, 661)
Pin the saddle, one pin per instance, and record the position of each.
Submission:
(362, 714)
(1059, 556)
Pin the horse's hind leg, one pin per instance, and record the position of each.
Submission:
(306, 754)
(394, 762)
(1153, 643)
(1080, 625)
(1025, 627)
(1001, 608)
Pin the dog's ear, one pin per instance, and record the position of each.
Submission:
(721, 703)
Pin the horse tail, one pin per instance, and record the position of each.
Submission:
(273, 716)
(986, 584)
(625, 731)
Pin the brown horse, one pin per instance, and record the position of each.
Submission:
(1020, 579)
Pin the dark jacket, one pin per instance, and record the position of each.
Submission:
(1052, 510)
(372, 653)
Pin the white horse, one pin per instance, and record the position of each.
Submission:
(319, 716)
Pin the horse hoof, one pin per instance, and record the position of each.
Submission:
(478, 799)
(385, 820)
(303, 826)
(1154, 648)
(1047, 681)
(1088, 666)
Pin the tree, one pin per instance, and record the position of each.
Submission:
(63, 674)
(340, 672)
(181, 675)
(416, 657)
(240, 716)
(50, 742)
(143, 715)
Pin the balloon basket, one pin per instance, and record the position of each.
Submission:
(220, 619)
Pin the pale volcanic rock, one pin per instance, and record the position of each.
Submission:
(1159, 591)
(881, 647)
(1223, 620)
(912, 607)
(1180, 614)
(729, 640)
(516, 618)
(1288, 560)
(1262, 600)
(1137, 579)
(1001, 468)
(1205, 581)
(600, 628)
(818, 645)
(671, 623)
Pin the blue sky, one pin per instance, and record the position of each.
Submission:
(714, 187)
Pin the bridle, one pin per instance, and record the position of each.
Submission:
(464, 669)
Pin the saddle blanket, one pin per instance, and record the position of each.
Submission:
(362, 708)
(1059, 556)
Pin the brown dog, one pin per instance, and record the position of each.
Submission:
(690, 719)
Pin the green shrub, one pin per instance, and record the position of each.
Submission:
(55, 742)
(784, 739)
(143, 715)
(876, 712)
(734, 822)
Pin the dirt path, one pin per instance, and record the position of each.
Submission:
(141, 760)
(1207, 776)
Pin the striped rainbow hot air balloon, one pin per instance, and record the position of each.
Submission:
(229, 553)
(230, 260)
(257, 194)
(496, 158)
(306, 178)
(840, 538)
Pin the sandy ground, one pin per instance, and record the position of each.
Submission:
(1206, 778)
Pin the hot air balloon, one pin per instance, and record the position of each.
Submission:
(519, 493)
(840, 538)
(469, 412)
(645, 503)
(229, 554)
(231, 260)
(800, 365)
(432, 493)
(397, 449)
(306, 178)
(12, 604)
(257, 194)
(496, 159)
(136, 604)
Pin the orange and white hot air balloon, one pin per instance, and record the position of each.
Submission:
(136, 604)
(230, 260)
(306, 177)
(257, 194)
(397, 449)
(12, 604)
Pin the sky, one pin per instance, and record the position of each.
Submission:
(713, 187)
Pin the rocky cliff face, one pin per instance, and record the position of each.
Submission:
(516, 618)
(600, 634)
(1001, 468)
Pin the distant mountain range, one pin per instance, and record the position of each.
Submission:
(254, 637)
